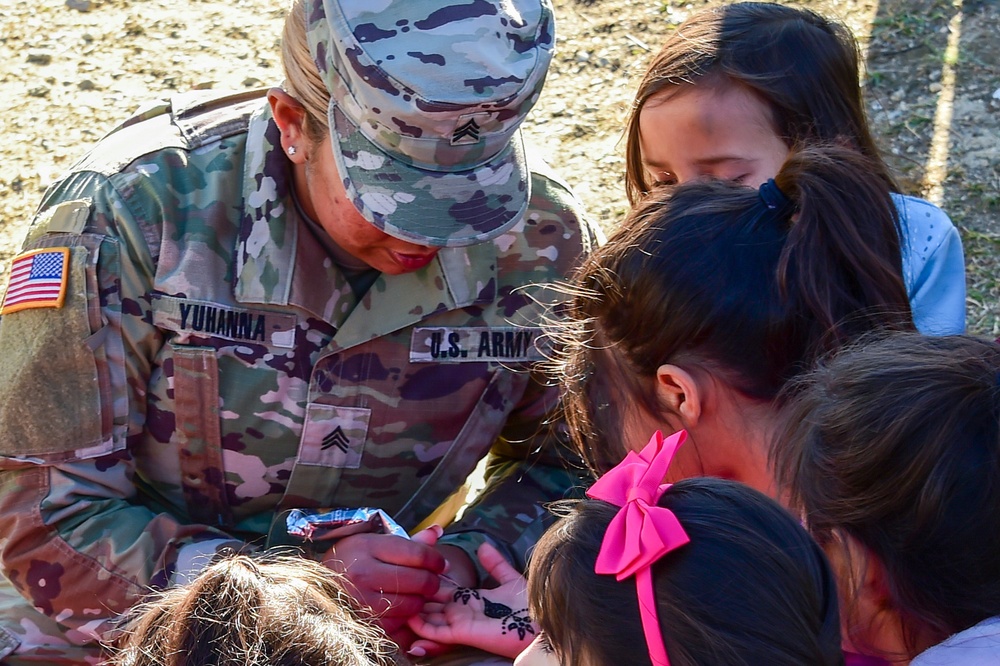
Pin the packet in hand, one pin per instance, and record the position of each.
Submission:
(316, 530)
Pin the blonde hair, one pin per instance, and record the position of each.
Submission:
(254, 612)
(302, 78)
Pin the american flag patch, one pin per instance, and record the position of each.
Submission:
(37, 280)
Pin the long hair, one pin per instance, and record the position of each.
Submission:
(895, 443)
(707, 277)
(243, 611)
(803, 66)
(750, 588)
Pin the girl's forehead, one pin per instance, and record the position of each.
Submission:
(716, 96)
(695, 132)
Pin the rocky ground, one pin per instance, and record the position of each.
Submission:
(71, 69)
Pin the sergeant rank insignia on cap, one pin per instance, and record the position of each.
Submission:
(467, 132)
(37, 280)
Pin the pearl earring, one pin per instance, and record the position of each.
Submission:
(292, 150)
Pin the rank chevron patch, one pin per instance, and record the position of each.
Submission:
(466, 133)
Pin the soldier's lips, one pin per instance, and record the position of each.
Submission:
(413, 262)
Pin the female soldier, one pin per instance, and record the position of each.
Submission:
(234, 306)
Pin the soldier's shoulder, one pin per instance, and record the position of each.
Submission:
(548, 187)
(553, 197)
(203, 118)
(556, 230)
(186, 122)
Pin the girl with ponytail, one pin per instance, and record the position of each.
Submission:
(712, 296)
(695, 315)
(737, 86)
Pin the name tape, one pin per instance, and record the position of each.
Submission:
(476, 344)
(224, 321)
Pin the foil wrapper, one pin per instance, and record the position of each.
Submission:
(317, 530)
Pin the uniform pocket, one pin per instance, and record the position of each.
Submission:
(333, 439)
(50, 386)
(334, 436)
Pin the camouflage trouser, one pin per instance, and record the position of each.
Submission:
(29, 637)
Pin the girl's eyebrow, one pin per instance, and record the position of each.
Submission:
(655, 166)
(705, 161)
(719, 159)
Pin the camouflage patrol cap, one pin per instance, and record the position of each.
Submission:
(426, 100)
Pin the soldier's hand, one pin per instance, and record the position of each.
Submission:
(392, 575)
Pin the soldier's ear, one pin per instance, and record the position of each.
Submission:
(289, 116)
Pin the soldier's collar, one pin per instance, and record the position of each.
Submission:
(265, 252)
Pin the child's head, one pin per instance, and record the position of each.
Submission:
(735, 87)
(254, 612)
(893, 454)
(707, 300)
(750, 587)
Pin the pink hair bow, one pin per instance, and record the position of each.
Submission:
(642, 532)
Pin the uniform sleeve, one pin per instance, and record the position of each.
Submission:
(531, 464)
(935, 268)
(76, 543)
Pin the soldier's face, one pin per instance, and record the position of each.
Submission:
(333, 210)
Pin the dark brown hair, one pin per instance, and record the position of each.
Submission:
(803, 66)
(895, 443)
(707, 277)
(243, 611)
(750, 588)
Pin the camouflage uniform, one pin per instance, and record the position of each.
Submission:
(211, 366)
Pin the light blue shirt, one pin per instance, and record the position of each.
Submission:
(976, 646)
(933, 266)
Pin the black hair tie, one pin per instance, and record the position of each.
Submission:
(775, 199)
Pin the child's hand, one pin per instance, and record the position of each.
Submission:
(495, 620)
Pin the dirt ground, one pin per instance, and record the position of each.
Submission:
(71, 69)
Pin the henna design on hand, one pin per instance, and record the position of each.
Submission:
(495, 610)
(510, 620)
(464, 594)
(519, 623)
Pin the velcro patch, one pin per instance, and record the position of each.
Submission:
(476, 344)
(334, 436)
(68, 217)
(37, 280)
